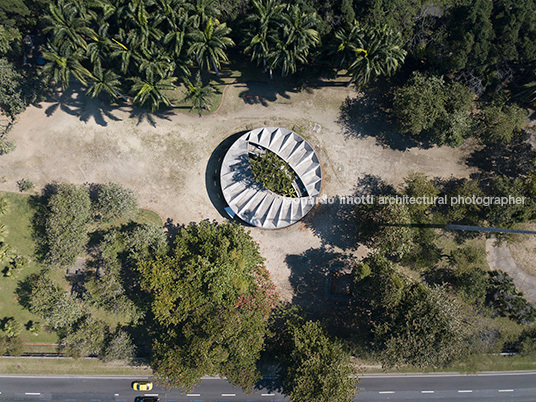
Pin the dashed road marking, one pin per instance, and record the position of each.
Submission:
(150, 395)
(228, 394)
(387, 392)
(193, 394)
(427, 392)
(465, 390)
(267, 394)
(506, 390)
(32, 393)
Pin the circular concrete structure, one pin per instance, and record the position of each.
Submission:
(253, 203)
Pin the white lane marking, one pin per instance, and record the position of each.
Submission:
(506, 390)
(150, 395)
(427, 392)
(116, 394)
(387, 392)
(193, 394)
(32, 393)
(267, 394)
(228, 394)
(465, 390)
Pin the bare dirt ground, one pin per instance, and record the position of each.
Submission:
(523, 248)
(170, 160)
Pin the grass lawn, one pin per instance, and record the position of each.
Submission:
(178, 95)
(69, 366)
(19, 223)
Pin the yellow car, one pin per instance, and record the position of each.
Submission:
(142, 385)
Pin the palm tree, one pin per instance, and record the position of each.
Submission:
(202, 11)
(200, 95)
(63, 63)
(261, 35)
(4, 206)
(3, 232)
(379, 53)
(208, 45)
(148, 91)
(349, 40)
(297, 36)
(69, 22)
(106, 81)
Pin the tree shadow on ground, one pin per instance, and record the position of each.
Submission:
(333, 220)
(512, 160)
(363, 117)
(334, 224)
(264, 92)
(74, 102)
(310, 275)
(212, 173)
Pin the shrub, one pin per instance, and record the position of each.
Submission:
(15, 346)
(25, 185)
(67, 214)
(503, 296)
(12, 328)
(6, 146)
(115, 201)
(273, 173)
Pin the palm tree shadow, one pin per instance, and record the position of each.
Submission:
(151, 117)
(264, 92)
(73, 102)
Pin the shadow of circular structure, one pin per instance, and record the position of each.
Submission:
(261, 207)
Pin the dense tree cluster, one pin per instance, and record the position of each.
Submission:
(211, 298)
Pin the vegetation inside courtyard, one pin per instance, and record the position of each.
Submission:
(273, 173)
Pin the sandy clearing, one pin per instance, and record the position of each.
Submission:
(164, 158)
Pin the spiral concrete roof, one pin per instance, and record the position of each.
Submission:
(253, 203)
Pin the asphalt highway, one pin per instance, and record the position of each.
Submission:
(506, 386)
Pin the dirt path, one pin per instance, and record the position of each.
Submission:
(164, 157)
(499, 257)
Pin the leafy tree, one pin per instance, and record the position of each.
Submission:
(58, 309)
(85, 339)
(67, 214)
(500, 122)
(115, 201)
(13, 96)
(427, 104)
(119, 347)
(511, 213)
(211, 299)
(385, 227)
(427, 330)
(316, 368)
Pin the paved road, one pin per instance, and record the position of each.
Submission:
(520, 386)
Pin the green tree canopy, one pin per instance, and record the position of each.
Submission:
(211, 299)
(316, 368)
